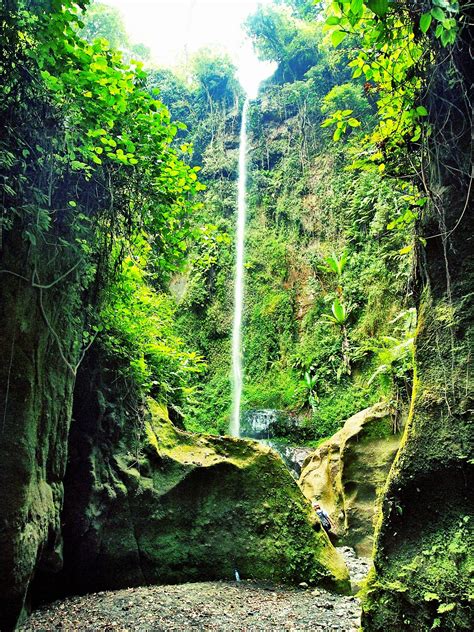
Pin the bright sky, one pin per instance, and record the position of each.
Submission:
(174, 28)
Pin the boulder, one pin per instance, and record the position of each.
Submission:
(179, 507)
(347, 473)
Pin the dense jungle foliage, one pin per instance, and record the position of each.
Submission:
(329, 316)
(118, 183)
(98, 191)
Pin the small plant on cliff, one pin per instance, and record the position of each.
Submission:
(395, 357)
(311, 393)
(339, 316)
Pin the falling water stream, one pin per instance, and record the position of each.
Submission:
(239, 280)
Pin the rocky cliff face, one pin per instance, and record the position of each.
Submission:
(172, 506)
(35, 410)
(423, 554)
(347, 474)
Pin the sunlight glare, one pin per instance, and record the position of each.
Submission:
(175, 29)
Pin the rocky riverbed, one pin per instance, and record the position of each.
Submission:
(242, 606)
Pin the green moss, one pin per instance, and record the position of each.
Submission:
(426, 584)
(197, 507)
(423, 554)
(381, 428)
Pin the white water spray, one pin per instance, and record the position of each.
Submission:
(239, 280)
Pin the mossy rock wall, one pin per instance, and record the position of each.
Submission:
(423, 555)
(423, 567)
(183, 507)
(347, 474)
(35, 402)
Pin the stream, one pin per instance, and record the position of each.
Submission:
(227, 606)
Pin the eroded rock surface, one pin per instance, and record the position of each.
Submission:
(184, 507)
(36, 390)
(348, 471)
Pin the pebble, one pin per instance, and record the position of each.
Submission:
(242, 606)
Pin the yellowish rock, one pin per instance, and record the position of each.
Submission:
(347, 473)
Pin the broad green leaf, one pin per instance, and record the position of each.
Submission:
(425, 22)
(354, 122)
(339, 311)
(445, 37)
(356, 6)
(333, 20)
(422, 111)
(438, 13)
(446, 607)
(430, 596)
(337, 37)
(379, 7)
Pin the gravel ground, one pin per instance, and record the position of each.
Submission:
(229, 606)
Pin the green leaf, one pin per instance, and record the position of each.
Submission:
(405, 251)
(337, 37)
(332, 20)
(72, 203)
(425, 22)
(430, 596)
(421, 110)
(77, 164)
(356, 6)
(379, 7)
(339, 312)
(446, 607)
(438, 14)
(31, 237)
(353, 122)
(445, 37)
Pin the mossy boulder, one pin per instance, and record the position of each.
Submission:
(347, 474)
(187, 507)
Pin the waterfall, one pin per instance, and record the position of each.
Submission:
(239, 280)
